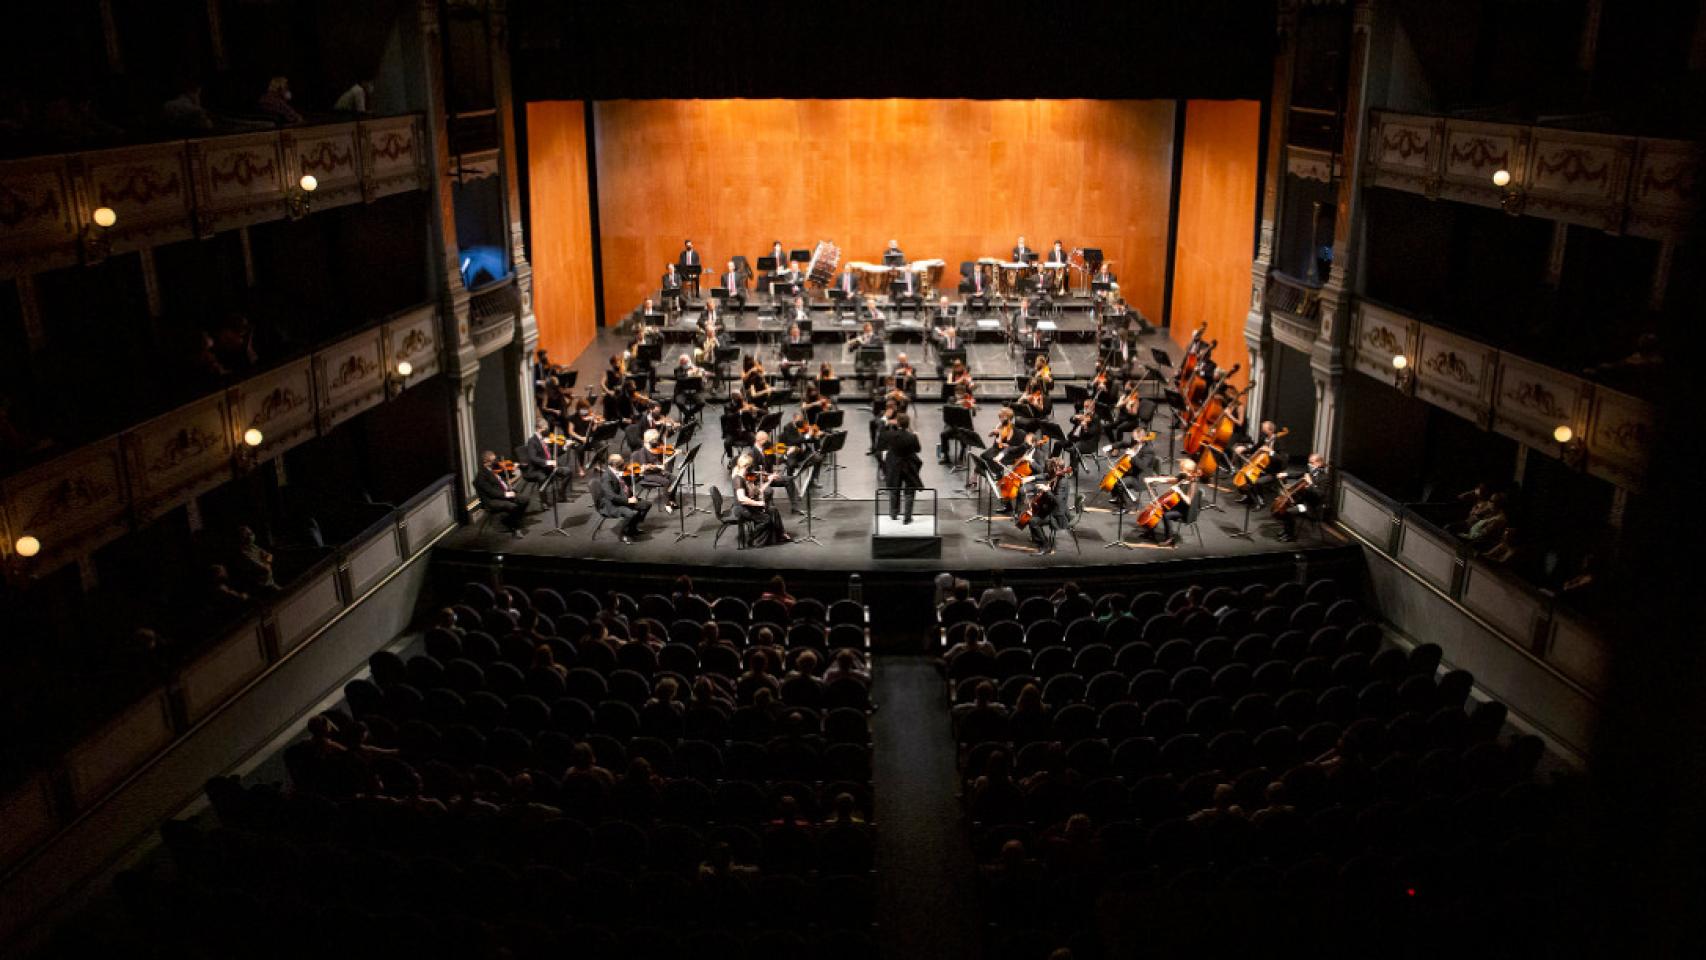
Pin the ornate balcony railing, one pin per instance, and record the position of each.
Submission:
(1295, 306)
(165, 192)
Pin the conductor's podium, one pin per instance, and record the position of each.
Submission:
(894, 539)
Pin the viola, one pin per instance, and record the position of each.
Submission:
(1253, 468)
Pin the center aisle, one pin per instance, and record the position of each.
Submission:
(926, 878)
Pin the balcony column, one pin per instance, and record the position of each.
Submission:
(1327, 355)
(1258, 331)
(461, 361)
(526, 327)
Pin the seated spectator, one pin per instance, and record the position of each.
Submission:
(1030, 718)
(357, 99)
(253, 563)
(1222, 807)
(233, 345)
(846, 664)
(944, 588)
(544, 658)
(663, 711)
(1507, 551)
(221, 594)
(719, 865)
(960, 607)
(635, 796)
(844, 811)
(756, 677)
(788, 813)
(683, 583)
(1274, 804)
(778, 590)
(445, 619)
(184, 113)
(584, 770)
(706, 696)
(983, 701)
(1069, 591)
(275, 102)
(997, 590)
(1072, 848)
(1486, 531)
(1480, 500)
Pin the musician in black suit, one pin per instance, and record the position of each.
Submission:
(1024, 320)
(671, 287)
(899, 449)
(497, 495)
(1307, 500)
(789, 281)
(907, 291)
(539, 458)
(976, 290)
(848, 283)
(866, 339)
(1049, 510)
(731, 283)
(689, 257)
(892, 257)
(1056, 253)
(613, 496)
(1021, 251)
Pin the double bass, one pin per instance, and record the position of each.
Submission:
(1205, 424)
(1254, 467)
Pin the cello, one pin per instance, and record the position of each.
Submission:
(1254, 467)
(1121, 467)
(1283, 502)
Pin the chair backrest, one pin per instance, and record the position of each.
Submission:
(1195, 506)
(717, 503)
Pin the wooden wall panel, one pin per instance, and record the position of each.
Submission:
(1217, 218)
(955, 179)
(561, 227)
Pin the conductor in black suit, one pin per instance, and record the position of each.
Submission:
(899, 448)
(613, 496)
(497, 495)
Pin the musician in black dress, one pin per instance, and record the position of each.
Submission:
(767, 460)
(612, 387)
(1176, 490)
(899, 451)
(1308, 495)
(498, 495)
(752, 503)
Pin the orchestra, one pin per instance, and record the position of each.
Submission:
(1111, 416)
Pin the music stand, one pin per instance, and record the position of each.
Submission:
(1076, 394)
(799, 256)
(724, 357)
(958, 419)
(649, 354)
(946, 358)
(769, 422)
(808, 469)
(832, 444)
(1124, 500)
(986, 471)
(829, 388)
(671, 493)
(690, 276)
(797, 352)
(870, 357)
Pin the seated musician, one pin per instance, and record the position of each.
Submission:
(610, 388)
(705, 354)
(737, 290)
(789, 369)
(825, 376)
(688, 401)
(1021, 251)
(1238, 413)
(1049, 510)
(614, 496)
(975, 289)
(1033, 450)
(539, 457)
(1024, 321)
(943, 315)
(755, 382)
(866, 339)
(752, 503)
(892, 257)
(654, 467)
(1144, 462)
(553, 405)
(671, 288)
(798, 314)
(711, 319)
(780, 256)
(1308, 499)
(948, 338)
(847, 282)
(747, 414)
(1176, 490)
(905, 376)
(960, 376)
(1100, 390)
(1133, 413)
(798, 433)
(765, 458)
(578, 427)
(1104, 275)
(1056, 254)
(1001, 437)
(789, 281)
(1266, 441)
(1033, 403)
(907, 292)
(498, 495)
(946, 452)
(882, 407)
(813, 402)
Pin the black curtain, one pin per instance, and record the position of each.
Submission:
(1213, 49)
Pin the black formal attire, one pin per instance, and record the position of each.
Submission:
(848, 283)
(610, 493)
(976, 291)
(671, 287)
(892, 257)
(766, 463)
(688, 401)
(497, 496)
(1308, 501)
(737, 293)
(901, 463)
(907, 291)
(1052, 513)
(539, 461)
(656, 479)
(690, 258)
(766, 519)
(1020, 253)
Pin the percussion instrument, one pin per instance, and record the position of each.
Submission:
(1076, 260)
(873, 278)
(825, 259)
(1011, 274)
(929, 276)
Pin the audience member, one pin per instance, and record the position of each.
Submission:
(184, 113)
(997, 590)
(275, 102)
(357, 99)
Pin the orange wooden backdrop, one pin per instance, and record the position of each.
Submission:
(955, 179)
(1217, 217)
(561, 219)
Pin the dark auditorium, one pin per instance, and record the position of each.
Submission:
(725, 479)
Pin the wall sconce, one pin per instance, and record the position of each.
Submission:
(1401, 372)
(397, 378)
(1510, 199)
(296, 200)
(254, 437)
(1571, 449)
(26, 546)
(247, 454)
(97, 241)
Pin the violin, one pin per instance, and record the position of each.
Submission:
(1118, 471)
(777, 449)
(557, 439)
(1004, 435)
(662, 450)
(1253, 468)
(508, 470)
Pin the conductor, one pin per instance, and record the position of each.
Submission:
(901, 462)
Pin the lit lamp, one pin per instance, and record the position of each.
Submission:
(394, 379)
(296, 199)
(1510, 200)
(253, 437)
(1571, 449)
(26, 546)
(404, 368)
(1401, 371)
(97, 244)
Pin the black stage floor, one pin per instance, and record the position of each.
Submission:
(844, 504)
